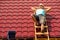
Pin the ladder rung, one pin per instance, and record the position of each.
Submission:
(40, 27)
(41, 33)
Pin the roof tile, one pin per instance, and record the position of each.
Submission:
(16, 15)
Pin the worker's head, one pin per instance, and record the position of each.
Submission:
(41, 5)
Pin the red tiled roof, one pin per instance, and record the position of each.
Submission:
(16, 15)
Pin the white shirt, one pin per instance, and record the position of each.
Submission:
(40, 11)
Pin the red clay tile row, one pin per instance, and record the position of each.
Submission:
(18, 34)
(27, 29)
(29, 34)
(30, 0)
(16, 2)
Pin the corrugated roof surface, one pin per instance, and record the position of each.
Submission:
(16, 15)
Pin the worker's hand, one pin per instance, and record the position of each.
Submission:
(32, 8)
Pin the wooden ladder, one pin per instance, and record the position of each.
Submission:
(46, 33)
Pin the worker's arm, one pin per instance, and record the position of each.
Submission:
(47, 8)
(34, 9)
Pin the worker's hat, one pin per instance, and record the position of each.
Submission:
(41, 4)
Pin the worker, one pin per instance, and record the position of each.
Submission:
(40, 12)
